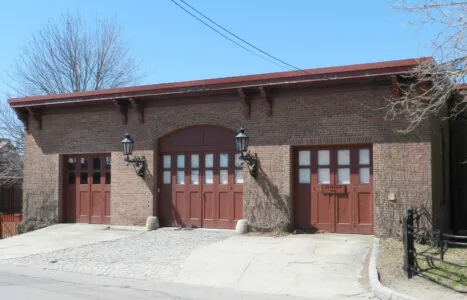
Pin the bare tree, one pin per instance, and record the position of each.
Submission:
(62, 57)
(11, 146)
(431, 85)
(70, 56)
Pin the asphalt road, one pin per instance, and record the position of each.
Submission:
(31, 283)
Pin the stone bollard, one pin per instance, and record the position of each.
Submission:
(152, 223)
(242, 226)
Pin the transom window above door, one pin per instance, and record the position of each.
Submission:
(203, 168)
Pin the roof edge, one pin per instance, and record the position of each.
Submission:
(275, 77)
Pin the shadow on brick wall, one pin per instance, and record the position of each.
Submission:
(269, 213)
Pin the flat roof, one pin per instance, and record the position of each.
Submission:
(386, 68)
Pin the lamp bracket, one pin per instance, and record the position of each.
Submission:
(251, 161)
(139, 163)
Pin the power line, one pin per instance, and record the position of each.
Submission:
(284, 64)
(241, 39)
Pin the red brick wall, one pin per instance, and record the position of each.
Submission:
(334, 115)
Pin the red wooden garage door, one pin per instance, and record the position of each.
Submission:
(87, 189)
(333, 189)
(200, 178)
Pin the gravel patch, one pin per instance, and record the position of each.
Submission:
(155, 254)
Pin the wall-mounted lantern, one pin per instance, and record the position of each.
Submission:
(138, 162)
(241, 142)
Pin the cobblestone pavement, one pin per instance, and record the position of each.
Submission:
(156, 254)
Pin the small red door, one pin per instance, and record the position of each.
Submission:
(333, 190)
(87, 187)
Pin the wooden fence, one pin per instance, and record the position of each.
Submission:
(9, 224)
(10, 210)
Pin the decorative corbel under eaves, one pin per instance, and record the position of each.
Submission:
(36, 115)
(246, 101)
(23, 116)
(139, 108)
(122, 109)
(266, 99)
(395, 87)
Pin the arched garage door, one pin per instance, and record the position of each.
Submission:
(200, 178)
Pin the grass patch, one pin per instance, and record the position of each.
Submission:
(454, 276)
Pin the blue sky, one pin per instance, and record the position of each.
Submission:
(172, 46)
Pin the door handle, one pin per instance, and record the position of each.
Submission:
(202, 197)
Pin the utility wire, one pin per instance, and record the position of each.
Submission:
(284, 65)
(239, 38)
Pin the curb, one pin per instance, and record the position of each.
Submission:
(378, 289)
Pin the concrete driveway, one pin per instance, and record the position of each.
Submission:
(320, 266)
(61, 236)
(324, 266)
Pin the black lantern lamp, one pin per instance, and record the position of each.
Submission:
(138, 162)
(241, 142)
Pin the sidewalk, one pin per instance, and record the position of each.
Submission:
(61, 236)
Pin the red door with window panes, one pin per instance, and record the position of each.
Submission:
(201, 178)
(205, 188)
(333, 189)
(87, 189)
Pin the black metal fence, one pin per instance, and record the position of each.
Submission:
(434, 240)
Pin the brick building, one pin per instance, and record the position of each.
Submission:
(327, 158)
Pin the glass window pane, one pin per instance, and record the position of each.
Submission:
(181, 161)
(107, 163)
(167, 161)
(224, 177)
(364, 156)
(324, 176)
(238, 176)
(72, 164)
(194, 178)
(208, 177)
(71, 178)
(96, 178)
(180, 177)
(107, 178)
(83, 163)
(304, 176)
(166, 177)
(343, 176)
(96, 163)
(343, 157)
(323, 157)
(83, 178)
(364, 175)
(195, 161)
(209, 160)
(238, 161)
(224, 160)
(303, 158)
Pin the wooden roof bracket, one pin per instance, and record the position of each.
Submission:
(36, 115)
(139, 108)
(23, 117)
(396, 92)
(246, 101)
(267, 100)
(122, 109)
